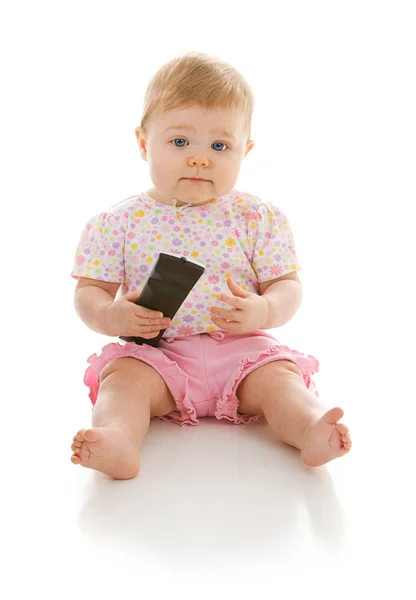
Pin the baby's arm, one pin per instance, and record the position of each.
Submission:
(284, 296)
(92, 299)
(274, 250)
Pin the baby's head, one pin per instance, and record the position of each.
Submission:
(196, 124)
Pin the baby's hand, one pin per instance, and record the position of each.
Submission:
(125, 318)
(251, 311)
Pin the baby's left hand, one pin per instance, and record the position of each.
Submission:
(251, 311)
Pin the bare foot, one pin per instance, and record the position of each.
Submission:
(325, 439)
(108, 450)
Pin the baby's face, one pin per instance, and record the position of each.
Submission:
(188, 143)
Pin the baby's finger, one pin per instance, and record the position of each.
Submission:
(233, 300)
(148, 336)
(152, 327)
(147, 313)
(230, 315)
(229, 326)
(154, 322)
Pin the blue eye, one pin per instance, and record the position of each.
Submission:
(221, 144)
(176, 139)
(214, 145)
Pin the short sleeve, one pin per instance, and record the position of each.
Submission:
(274, 252)
(100, 251)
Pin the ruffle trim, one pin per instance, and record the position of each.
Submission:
(186, 415)
(227, 405)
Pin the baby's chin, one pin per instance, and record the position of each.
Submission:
(193, 196)
(186, 193)
(197, 193)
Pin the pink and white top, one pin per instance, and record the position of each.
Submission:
(236, 235)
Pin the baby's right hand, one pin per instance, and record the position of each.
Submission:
(126, 318)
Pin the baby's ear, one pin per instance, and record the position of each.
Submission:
(139, 132)
(249, 146)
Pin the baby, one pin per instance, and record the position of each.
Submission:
(216, 357)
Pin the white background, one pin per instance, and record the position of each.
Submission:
(217, 510)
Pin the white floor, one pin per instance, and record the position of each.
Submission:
(217, 509)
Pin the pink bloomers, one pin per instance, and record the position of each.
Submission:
(203, 371)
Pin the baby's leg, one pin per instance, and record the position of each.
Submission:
(130, 393)
(277, 391)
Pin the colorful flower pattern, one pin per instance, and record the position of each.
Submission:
(237, 235)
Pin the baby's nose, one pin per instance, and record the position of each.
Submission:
(200, 161)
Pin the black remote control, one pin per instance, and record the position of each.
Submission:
(169, 283)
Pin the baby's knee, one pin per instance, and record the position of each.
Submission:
(132, 373)
(126, 365)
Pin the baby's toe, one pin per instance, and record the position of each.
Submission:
(92, 435)
(75, 449)
(343, 429)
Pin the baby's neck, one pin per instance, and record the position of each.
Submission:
(153, 193)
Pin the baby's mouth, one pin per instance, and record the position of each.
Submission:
(196, 179)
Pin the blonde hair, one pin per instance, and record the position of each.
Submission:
(197, 78)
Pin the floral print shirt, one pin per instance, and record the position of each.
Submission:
(236, 235)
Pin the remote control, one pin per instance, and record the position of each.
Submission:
(169, 283)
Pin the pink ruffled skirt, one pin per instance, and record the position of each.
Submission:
(204, 371)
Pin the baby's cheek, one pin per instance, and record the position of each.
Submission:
(159, 175)
(164, 168)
